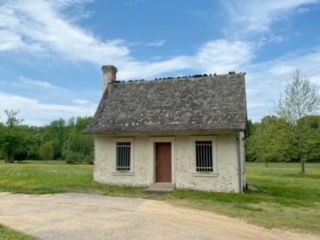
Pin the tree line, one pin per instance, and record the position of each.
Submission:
(60, 140)
(292, 132)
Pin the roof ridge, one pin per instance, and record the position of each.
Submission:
(201, 76)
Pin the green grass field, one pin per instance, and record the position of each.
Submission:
(10, 234)
(291, 201)
(38, 177)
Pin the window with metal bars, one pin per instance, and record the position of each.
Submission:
(204, 156)
(123, 156)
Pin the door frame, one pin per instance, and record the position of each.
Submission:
(153, 141)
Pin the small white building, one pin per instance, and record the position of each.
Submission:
(185, 131)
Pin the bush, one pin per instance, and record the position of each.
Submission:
(74, 157)
(78, 157)
(88, 159)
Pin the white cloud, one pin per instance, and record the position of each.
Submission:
(138, 70)
(159, 43)
(65, 3)
(9, 41)
(272, 39)
(222, 56)
(42, 26)
(43, 102)
(257, 16)
(267, 80)
(37, 113)
(308, 62)
(133, 2)
(33, 83)
(80, 101)
(45, 92)
(303, 10)
(315, 80)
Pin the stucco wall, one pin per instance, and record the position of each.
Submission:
(105, 155)
(225, 177)
(184, 176)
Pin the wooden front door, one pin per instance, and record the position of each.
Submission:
(163, 162)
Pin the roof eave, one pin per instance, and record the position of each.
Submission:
(186, 131)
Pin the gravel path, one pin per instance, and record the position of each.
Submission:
(85, 216)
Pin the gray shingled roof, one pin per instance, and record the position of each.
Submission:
(203, 104)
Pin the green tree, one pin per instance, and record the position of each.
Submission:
(299, 102)
(56, 132)
(2, 131)
(25, 142)
(46, 151)
(251, 127)
(34, 141)
(79, 147)
(266, 144)
(12, 137)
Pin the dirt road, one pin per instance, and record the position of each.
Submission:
(86, 216)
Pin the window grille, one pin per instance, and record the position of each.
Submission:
(123, 156)
(204, 156)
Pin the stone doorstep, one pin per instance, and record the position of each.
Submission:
(159, 188)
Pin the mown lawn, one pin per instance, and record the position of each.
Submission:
(38, 177)
(291, 201)
(10, 234)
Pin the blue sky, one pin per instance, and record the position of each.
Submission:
(51, 51)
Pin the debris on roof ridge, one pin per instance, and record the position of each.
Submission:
(182, 77)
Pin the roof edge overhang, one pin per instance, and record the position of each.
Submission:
(182, 132)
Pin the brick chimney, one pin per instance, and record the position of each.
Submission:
(109, 75)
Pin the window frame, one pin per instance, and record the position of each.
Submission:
(123, 156)
(214, 171)
(115, 158)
